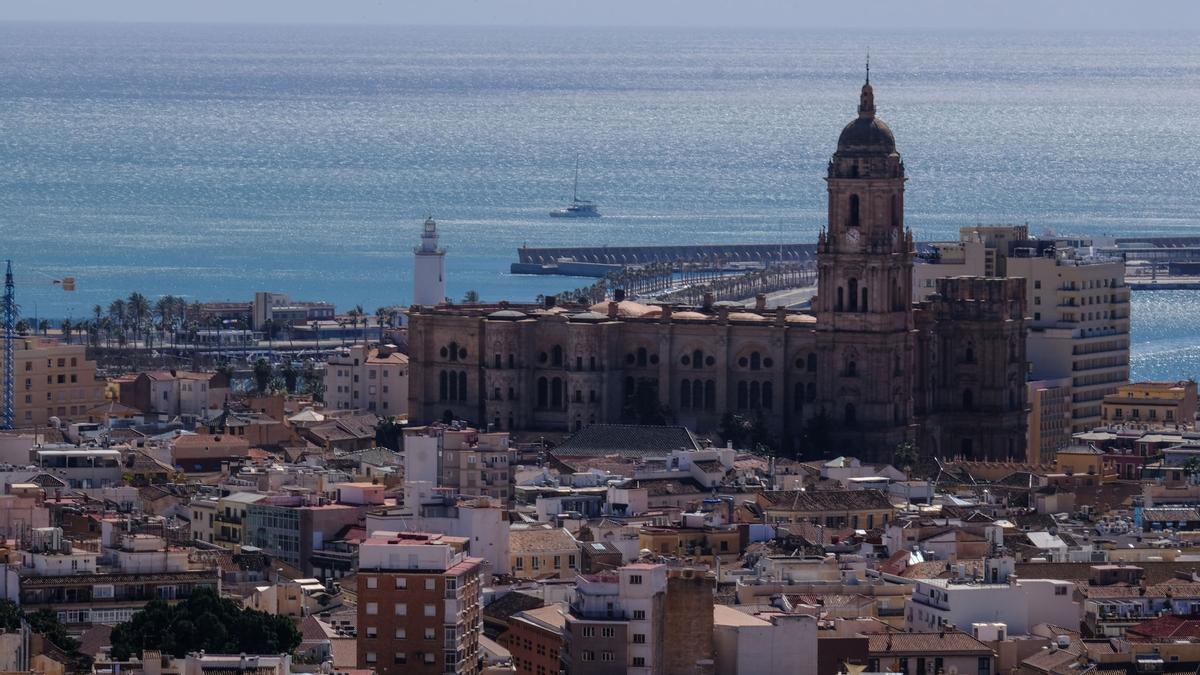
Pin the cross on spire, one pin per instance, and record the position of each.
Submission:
(868, 66)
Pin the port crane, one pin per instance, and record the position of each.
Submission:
(9, 309)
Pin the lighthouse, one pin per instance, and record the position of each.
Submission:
(429, 268)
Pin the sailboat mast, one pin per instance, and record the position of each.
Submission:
(575, 190)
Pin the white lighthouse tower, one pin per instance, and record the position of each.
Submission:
(429, 268)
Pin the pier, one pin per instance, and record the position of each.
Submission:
(713, 254)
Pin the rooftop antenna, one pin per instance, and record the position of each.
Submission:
(868, 65)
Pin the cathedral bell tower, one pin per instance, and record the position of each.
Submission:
(865, 331)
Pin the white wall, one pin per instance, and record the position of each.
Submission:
(785, 646)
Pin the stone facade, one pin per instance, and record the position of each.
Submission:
(865, 370)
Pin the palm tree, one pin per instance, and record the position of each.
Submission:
(138, 308)
(316, 326)
(44, 327)
(117, 314)
(268, 328)
(471, 297)
(66, 327)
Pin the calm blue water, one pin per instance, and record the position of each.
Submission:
(215, 161)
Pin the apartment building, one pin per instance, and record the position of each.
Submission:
(83, 586)
(1077, 300)
(1049, 418)
(173, 392)
(542, 552)
(52, 379)
(535, 639)
(482, 521)
(1153, 404)
(293, 527)
(460, 458)
(369, 379)
(642, 619)
(419, 604)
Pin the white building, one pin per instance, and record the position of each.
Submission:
(999, 597)
(368, 379)
(771, 643)
(483, 521)
(429, 268)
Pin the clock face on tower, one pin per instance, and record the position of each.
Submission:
(852, 234)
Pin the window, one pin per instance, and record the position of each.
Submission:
(639, 662)
(608, 631)
(588, 655)
(639, 615)
(1060, 590)
(635, 579)
(401, 609)
(639, 638)
(430, 633)
(372, 582)
(372, 608)
(371, 631)
(430, 657)
(431, 584)
(985, 665)
(371, 657)
(606, 656)
(430, 610)
(400, 658)
(535, 562)
(589, 631)
(520, 563)
(401, 583)
(401, 634)
(571, 561)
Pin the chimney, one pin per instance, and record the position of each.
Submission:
(709, 299)
(612, 309)
(619, 294)
(781, 316)
(760, 302)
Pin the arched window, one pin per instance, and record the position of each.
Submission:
(864, 298)
(768, 395)
(542, 392)
(453, 378)
(895, 210)
(852, 220)
(1012, 349)
(839, 305)
(851, 415)
(556, 393)
(641, 356)
(710, 395)
(755, 361)
(697, 394)
(443, 387)
(851, 368)
(969, 355)
(896, 369)
(512, 396)
(697, 359)
(743, 395)
(556, 356)
(453, 351)
(685, 394)
(968, 399)
(812, 363)
(497, 362)
(853, 293)
(755, 395)
(462, 386)
(810, 392)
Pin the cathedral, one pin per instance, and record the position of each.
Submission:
(864, 370)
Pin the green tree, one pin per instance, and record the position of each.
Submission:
(67, 327)
(388, 433)
(204, 621)
(44, 327)
(1192, 467)
(22, 327)
(471, 297)
(262, 375)
(290, 376)
(905, 456)
(314, 383)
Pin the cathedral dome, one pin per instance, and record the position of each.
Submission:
(866, 134)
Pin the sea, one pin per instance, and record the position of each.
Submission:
(211, 161)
